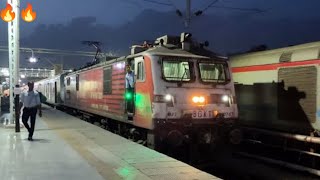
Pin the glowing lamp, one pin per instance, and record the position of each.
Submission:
(167, 97)
(128, 95)
(33, 60)
(215, 113)
(195, 99)
(225, 98)
(198, 99)
(201, 99)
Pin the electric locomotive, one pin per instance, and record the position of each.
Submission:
(182, 94)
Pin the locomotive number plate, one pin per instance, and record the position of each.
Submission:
(228, 115)
(201, 114)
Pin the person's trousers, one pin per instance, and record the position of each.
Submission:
(130, 99)
(29, 113)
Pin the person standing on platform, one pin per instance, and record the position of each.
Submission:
(30, 100)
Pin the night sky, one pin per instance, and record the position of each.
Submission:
(63, 24)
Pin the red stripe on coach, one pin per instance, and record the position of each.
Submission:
(268, 67)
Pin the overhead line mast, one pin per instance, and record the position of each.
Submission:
(188, 13)
(14, 55)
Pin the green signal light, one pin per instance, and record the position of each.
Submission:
(128, 95)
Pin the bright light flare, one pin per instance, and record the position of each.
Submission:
(23, 76)
(215, 113)
(33, 60)
(5, 72)
(201, 99)
(198, 99)
(195, 99)
(225, 98)
(120, 65)
(168, 97)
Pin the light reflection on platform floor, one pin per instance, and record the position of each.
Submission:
(47, 157)
(68, 148)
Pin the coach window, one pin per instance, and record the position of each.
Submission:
(47, 88)
(140, 71)
(285, 57)
(77, 82)
(68, 81)
(107, 88)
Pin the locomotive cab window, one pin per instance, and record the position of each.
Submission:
(107, 89)
(140, 71)
(176, 70)
(213, 72)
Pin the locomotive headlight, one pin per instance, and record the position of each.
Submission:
(168, 97)
(195, 99)
(201, 99)
(198, 99)
(225, 98)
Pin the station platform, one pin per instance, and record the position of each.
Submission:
(68, 148)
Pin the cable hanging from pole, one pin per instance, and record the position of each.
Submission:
(178, 12)
(241, 9)
(198, 13)
(211, 5)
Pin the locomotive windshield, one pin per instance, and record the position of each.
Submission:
(176, 70)
(213, 72)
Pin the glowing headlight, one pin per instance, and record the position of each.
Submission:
(201, 99)
(168, 97)
(198, 99)
(195, 99)
(225, 98)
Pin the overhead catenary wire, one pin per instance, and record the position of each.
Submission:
(55, 51)
(157, 2)
(172, 4)
(212, 5)
(240, 9)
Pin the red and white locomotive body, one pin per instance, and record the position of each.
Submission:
(98, 89)
(178, 94)
(192, 89)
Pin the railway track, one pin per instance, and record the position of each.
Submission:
(290, 151)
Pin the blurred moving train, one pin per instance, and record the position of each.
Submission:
(183, 93)
(279, 89)
(278, 95)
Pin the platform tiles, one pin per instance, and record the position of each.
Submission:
(66, 148)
